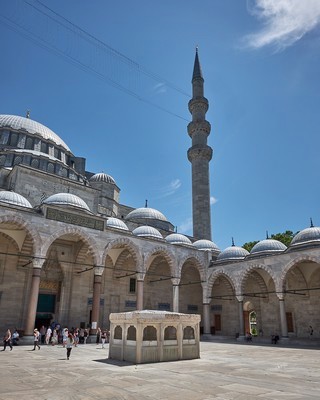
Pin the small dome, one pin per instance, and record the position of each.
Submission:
(14, 199)
(206, 245)
(146, 212)
(306, 236)
(147, 231)
(116, 223)
(67, 199)
(233, 253)
(102, 177)
(17, 123)
(177, 238)
(268, 246)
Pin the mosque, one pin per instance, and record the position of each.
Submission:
(70, 252)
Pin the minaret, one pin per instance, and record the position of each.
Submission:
(199, 155)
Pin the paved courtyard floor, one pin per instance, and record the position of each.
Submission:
(225, 371)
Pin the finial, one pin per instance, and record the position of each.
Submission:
(232, 241)
(176, 229)
(197, 48)
(146, 205)
(311, 223)
(28, 114)
(267, 235)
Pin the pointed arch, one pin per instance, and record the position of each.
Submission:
(198, 263)
(26, 225)
(216, 275)
(292, 263)
(74, 231)
(253, 268)
(160, 251)
(123, 243)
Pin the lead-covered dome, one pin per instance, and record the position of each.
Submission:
(68, 200)
(177, 238)
(147, 231)
(18, 123)
(14, 199)
(146, 212)
(116, 223)
(206, 245)
(306, 236)
(102, 177)
(268, 246)
(233, 253)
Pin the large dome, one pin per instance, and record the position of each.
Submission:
(14, 199)
(306, 236)
(102, 177)
(177, 238)
(268, 246)
(206, 245)
(233, 253)
(146, 212)
(67, 199)
(116, 223)
(147, 231)
(18, 123)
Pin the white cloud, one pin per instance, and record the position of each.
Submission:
(171, 188)
(160, 88)
(213, 200)
(285, 21)
(186, 226)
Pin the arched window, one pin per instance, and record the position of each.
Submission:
(29, 143)
(118, 332)
(188, 332)
(131, 334)
(149, 333)
(170, 333)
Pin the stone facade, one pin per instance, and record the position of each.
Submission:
(71, 253)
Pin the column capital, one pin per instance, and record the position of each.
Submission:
(140, 276)
(281, 296)
(38, 262)
(175, 281)
(239, 298)
(98, 269)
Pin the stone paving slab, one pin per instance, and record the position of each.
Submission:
(224, 372)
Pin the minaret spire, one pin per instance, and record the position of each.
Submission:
(199, 155)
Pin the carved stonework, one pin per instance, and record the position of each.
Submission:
(49, 285)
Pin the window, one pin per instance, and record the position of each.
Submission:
(132, 285)
(188, 332)
(118, 332)
(149, 333)
(44, 147)
(170, 333)
(29, 143)
(131, 334)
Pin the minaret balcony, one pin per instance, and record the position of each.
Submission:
(199, 127)
(200, 152)
(198, 105)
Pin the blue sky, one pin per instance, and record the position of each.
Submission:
(125, 107)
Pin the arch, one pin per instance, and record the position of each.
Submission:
(292, 263)
(124, 243)
(31, 230)
(198, 264)
(74, 231)
(160, 251)
(213, 277)
(261, 282)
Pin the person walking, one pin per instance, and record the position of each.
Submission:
(103, 338)
(7, 340)
(69, 344)
(36, 338)
(85, 336)
(48, 335)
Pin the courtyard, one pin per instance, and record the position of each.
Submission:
(225, 371)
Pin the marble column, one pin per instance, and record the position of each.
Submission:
(175, 294)
(96, 300)
(33, 297)
(140, 283)
(283, 317)
(241, 320)
(206, 319)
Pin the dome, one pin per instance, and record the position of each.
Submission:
(177, 238)
(268, 246)
(147, 231)
(306, 236)
(206, 245)
(67, 199)
(146, 212)
(233, 253)
(20, 123)
(14, 199)
(102, 177)
(116, 223)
